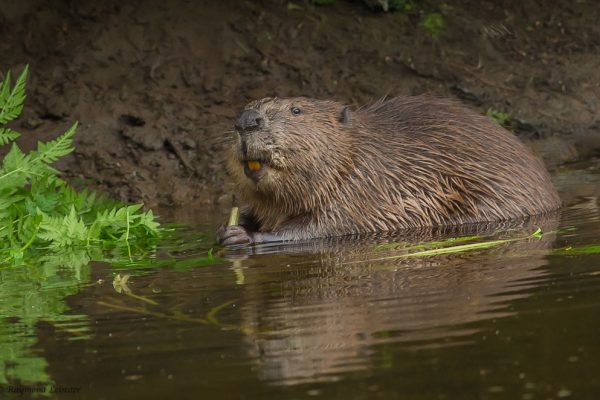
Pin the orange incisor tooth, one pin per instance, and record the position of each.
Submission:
(254, 165)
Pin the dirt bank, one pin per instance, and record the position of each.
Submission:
(155, 84)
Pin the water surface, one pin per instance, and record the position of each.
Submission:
(325, 319)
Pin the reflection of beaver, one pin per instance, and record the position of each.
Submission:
(308, 168)
(349, 297)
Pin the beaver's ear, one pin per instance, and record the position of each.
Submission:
(345, 117)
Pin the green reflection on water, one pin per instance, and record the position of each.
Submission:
(37, 292)
(286, 302)
(28, 295)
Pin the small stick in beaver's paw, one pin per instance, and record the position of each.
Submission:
(234, 216)
(233, 234)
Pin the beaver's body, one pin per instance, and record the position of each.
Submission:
(308, 168)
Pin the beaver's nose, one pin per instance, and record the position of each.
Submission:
(249, 120)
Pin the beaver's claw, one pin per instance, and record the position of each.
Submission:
(234, 234)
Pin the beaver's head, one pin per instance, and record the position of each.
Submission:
(285, 146)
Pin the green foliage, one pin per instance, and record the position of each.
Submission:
(401, 5)
(39, 212)
(11, 100)
(53, 232)
(28, 296)
(576, 251)
(7, 135)
(434, 23)
(39, 291)
(499, 117)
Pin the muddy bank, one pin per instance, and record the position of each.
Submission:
(155, 84)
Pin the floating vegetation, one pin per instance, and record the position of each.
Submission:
(447, 246)
(577, 251)
(403, 246)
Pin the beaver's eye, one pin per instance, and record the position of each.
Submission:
(296, 110)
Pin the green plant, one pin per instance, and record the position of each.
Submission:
(401, 5)
(40, 212)
(434, 23)
(448, 246)
(499, 117)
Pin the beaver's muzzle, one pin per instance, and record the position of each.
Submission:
(248, 121)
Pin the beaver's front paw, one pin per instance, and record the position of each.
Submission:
(234, 234)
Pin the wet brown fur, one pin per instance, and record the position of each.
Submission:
(400, 163)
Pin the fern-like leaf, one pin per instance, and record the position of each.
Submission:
(148, 221)
(40, 212)
(11, 101)
(14, 167)
(54, 149)
(7, 136)
(63, 232)
(14, 159)
(44, 194)
(84, 201)
(8, 197)
(5, 90)
(18, 168)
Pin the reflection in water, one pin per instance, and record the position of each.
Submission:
(312, 320)
(423, 328)
(30, 294)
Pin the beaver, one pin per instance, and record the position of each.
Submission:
(308, 168)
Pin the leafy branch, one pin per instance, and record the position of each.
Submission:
(39, 212)
(11, 101)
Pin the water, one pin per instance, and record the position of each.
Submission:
(321, 320)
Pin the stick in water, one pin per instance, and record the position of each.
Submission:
(234, 216)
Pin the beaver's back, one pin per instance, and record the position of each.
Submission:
(429, 161)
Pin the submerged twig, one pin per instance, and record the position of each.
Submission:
(179, 317)
(209, 319)
(210, 316)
